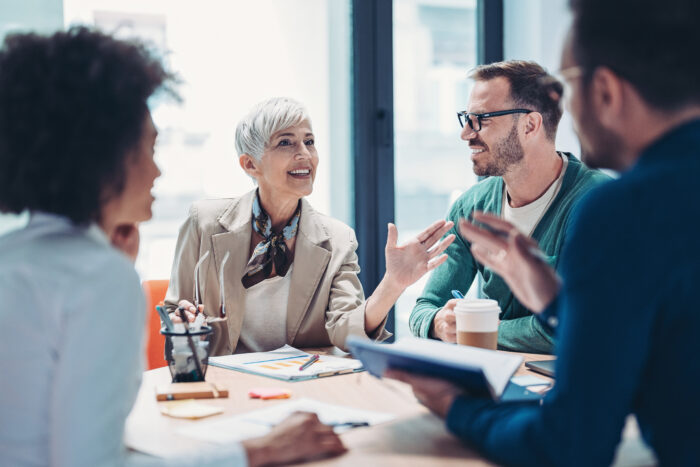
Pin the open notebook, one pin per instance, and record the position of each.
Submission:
(482, 372)
(284, 363)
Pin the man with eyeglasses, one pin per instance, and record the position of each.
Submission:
(629, 327)
(511, 125)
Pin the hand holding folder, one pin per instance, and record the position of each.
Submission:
(483, 373)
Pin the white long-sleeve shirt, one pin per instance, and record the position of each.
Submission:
(71, 346)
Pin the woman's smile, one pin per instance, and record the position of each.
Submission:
(301, 173)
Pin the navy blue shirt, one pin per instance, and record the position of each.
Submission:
(629, 326)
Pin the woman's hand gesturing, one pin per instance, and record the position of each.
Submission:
(407, 263)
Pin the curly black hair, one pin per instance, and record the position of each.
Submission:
(72, 107)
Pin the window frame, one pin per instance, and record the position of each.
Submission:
(373, 123)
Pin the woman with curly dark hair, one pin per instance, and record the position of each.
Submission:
(76, 151)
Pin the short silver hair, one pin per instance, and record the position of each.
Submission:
(254, 131)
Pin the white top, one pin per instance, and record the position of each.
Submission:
(525, 218)
(71, 327)
(265, 322)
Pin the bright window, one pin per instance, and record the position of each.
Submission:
(231, 55)
(435, 45)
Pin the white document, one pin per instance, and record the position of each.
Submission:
(329, 414)
(530, 380)
(498, 367)
(284, 363)
(224, 430)
(259, 422)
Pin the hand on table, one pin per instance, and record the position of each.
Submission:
(444, 326)
(436, 394)
(532, 281)
(407, 263)
(299, 437)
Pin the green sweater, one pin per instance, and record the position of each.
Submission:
(519, 330)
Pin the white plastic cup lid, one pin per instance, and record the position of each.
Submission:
(478, 305)
(479, 315)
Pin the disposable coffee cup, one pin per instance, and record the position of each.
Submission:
(477, 323)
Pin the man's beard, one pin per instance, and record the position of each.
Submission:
(604, 149)
(504, 155)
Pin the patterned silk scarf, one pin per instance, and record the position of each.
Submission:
(273, 249)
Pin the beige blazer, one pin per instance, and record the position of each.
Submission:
(326, 303)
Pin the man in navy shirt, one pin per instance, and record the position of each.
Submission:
(626, 303)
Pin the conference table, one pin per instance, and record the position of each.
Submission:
(415, 437)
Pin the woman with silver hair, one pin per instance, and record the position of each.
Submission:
(74, 301)
(290, 273)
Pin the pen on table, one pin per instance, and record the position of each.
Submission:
(536, 252)
(457, 294)
(349, 424)
(309, 362)
(190, 342)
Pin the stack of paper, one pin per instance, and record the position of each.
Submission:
(284, 364)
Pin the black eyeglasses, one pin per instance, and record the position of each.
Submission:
(474, 120)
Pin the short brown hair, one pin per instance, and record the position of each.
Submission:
(531, 87)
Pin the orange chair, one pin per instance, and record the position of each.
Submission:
(155, 342)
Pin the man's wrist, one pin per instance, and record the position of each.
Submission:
(445, 409)
(431, 329)
(548, 316)
(256, 452)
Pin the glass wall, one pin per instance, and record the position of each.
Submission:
(520, 43)
(229, 56)
(34, 15)
(435, 44)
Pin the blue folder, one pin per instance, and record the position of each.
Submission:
(377, 358)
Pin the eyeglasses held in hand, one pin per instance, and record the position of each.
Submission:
(197, 301)
(222, 306)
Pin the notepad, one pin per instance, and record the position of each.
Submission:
(284, 363)
(196, 390)
(189, 409)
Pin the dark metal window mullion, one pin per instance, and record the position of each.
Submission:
(489, 30)
(373, 122)
(373, 127)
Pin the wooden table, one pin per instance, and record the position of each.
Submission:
(414, 438)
